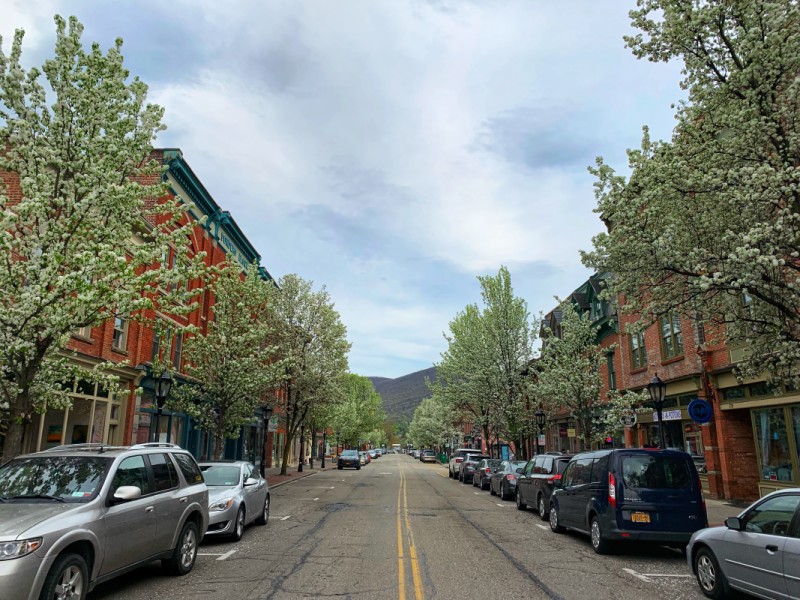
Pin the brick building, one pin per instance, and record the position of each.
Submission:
(128, 417)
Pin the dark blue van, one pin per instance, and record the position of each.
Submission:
(630, 494)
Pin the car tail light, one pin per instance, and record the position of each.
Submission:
(612, 490)
(487, 470)
(554, 478)
(512, 477)
(458, 460)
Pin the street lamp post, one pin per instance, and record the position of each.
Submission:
(324, 445)
(267, 414)
(658, 390)
(302, 447)
(162, 388)
(540, 421)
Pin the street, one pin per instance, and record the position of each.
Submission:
(401, 529)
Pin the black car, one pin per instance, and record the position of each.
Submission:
(483, 472)
(467, 468)
(349, 458)
(536, 483)
(504, 479)
(630, 494)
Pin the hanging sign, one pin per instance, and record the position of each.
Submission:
(628, 419)
(700, 410)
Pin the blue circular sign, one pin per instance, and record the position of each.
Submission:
(700, 410)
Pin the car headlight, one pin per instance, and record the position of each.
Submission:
(220, 505)
(16, 549)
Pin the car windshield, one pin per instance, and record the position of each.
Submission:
(222, 475)
(656, 472)
(55, 478)
(349, 454)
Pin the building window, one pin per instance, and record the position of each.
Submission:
(638, 351)
(612, 374)
(84, 332)
(671, 339)
(120, 340)
(176, 357)
(772, 441)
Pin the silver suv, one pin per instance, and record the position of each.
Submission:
(75, 516)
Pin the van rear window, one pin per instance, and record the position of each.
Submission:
(656, 472)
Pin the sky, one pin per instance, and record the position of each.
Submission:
(392, 150)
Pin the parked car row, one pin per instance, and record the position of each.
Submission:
(67, 514)
(644, 495)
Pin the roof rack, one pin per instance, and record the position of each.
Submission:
(156, 445)
(99, 447)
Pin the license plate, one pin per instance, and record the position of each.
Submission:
(640, 517)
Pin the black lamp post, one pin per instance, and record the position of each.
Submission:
(658, 390)
(541, 418)
(162, 388)
(324, 445)
(302, 447)
(266, 412)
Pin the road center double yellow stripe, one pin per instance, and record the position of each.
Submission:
(402, 507)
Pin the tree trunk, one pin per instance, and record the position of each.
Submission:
(287, 446)
(218, 446)
(12, 444)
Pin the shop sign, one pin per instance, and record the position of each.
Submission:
(628, 419)
(562, 431)
(700, 410)
(571, 432)
(273, 424)
(668, 415)
(541, 440)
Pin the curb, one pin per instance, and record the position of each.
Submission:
(272, 486)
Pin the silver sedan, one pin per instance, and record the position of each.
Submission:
(237, 495)
(757, 552)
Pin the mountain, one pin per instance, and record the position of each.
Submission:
(402, 395)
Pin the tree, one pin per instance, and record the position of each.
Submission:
(707, 223)
(433, 423)
(483, 372)
(569, 371)
(233, 366)
(312, 347)
(84, 216)
(356, 418)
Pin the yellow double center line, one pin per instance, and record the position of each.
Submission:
(402, 518)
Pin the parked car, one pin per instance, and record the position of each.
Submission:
(504, 479)
(484, 471)
(757, 552)
(364, 458)
(349, 458)
(535, 484)
(373, 454)
(629, 494)
(468, 466)
(456, 458)
(78, 515)
(428, 456)
(237, 496)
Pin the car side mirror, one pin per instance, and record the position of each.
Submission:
(250, 481)
(734, 523)
(126, 493)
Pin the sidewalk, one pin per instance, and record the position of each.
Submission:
(719, 510)
(275, 479)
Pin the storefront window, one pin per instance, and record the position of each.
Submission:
(773, 444)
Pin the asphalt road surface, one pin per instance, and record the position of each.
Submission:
(400, 529)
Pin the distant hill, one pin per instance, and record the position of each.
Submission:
(402, 395)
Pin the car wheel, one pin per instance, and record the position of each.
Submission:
(358, 468)
(67, 579)
(542, 508)
(185, 552)
(555, 527)
(520, 504)
(600, 544)
(262, 520)
(709, 575)
(238, 525)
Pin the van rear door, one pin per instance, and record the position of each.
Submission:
(660, 491)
